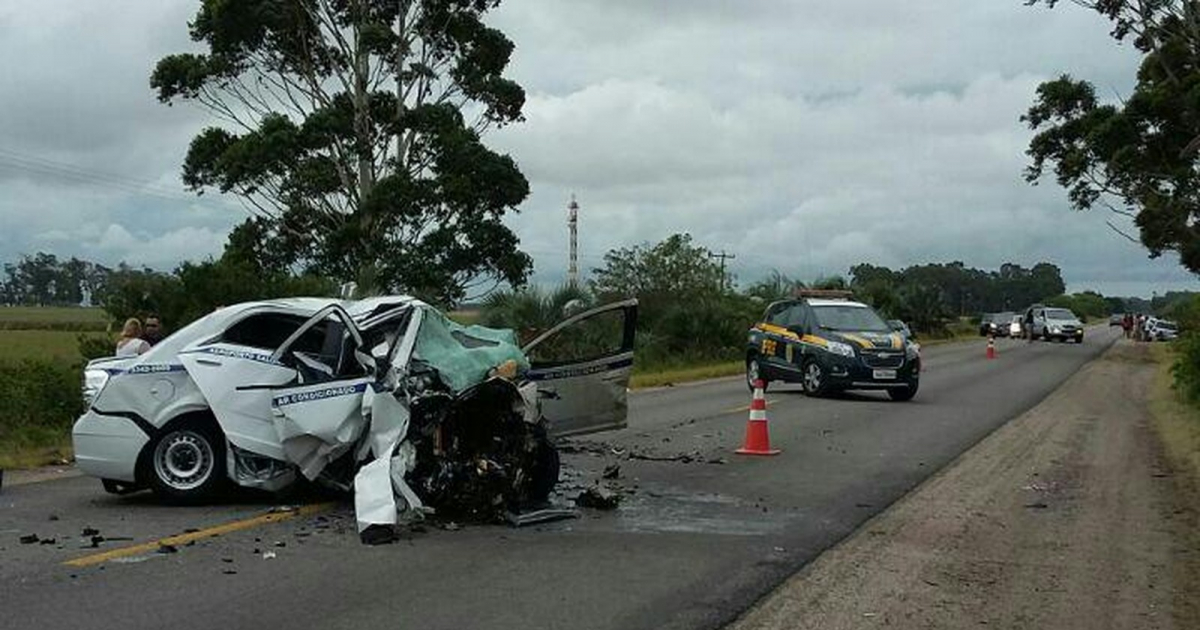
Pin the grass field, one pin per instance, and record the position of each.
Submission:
(40, 344)
(51, 314)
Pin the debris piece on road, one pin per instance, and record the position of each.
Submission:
(227, 560)
(269, 555)
(29, 539)
(162, 548)
(47, 541)
(90, 531)
(229, 572)
(1040, 505)
(611, 471)
(280, 543)
(53, 517)
(378, 534)
(598, 497)
(541, 516)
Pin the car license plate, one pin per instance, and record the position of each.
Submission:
(885, 375)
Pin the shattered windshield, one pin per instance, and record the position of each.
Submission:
(846, 317)
(463, 355)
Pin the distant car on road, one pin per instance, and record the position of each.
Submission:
(1162, 330)
(827, 342)
(995, 324)
(900, 327)
(1014, 327)
(1116, 319)
(1056, 324)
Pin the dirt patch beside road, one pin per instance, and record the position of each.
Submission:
(1067, 517)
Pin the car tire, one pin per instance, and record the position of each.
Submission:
(546, 465)
(902, 395)
(185, 462)
(754, 371)
(814, 379)
(1078, 338)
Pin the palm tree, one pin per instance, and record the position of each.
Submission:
(531, 310)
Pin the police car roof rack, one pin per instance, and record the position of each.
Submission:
(824, 294)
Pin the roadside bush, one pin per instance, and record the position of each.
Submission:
(39, 400)
(92, 326)
(95, 347)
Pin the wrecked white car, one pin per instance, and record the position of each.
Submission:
(385, 396)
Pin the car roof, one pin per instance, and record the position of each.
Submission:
(819, 302)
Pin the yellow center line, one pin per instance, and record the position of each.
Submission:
(769, 401)
(183, 539)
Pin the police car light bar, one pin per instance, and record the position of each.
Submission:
(828, 294)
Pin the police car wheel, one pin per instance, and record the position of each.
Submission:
(185, 464)
(754, 372)
(813, 379)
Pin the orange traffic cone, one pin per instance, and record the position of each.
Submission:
(758, 441)
(991, 348)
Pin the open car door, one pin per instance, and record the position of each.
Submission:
(582, 368)
(318, 417)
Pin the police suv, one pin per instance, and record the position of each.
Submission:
(827, 342)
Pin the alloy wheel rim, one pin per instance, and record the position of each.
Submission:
(183, 460)
(812, 377)
(752, 372)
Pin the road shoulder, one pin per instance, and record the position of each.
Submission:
(1066, 517)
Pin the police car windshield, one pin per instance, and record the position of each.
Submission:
(855, 318)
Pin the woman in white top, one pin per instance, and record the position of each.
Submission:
(131, 344)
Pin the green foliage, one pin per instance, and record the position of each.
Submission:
(1142, 153)
(531, 311)
(928, 296)
(346, 130)
(195, 289)
(1088, 305)
(776, 286)
(44, 280)
(39, 400)
(673, 270)
(95, 347)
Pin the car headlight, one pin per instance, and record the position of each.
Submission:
(93, 382)
(843, 349)
(1055, 329)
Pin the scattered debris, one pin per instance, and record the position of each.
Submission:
(378, 534)
(90, 531)
(280, 543)
(598, 497)
(29, 539)
(227, 560)
(268, 555)
(53, 517)
(164, 548)
(611, 471)
(1040, 505)
(229, 572)
(47, 541)
(545, 515)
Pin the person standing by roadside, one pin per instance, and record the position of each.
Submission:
(152, 331)
(1127, 325)
(131, 344)
(1027, 326)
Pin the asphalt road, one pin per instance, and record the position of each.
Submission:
(696, 540)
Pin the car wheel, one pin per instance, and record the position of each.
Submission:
(1079, 339)
(754, 372)
(544, 475)
(814, 381)
(186, 462)
(900, 395)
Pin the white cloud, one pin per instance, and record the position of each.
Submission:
(803, 136)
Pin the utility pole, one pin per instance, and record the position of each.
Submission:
(573, 226)
(722, 256)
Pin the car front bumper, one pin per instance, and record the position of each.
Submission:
(107, 446)
(854, 375)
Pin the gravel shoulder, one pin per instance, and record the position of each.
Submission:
(1067, 517)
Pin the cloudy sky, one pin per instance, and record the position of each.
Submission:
(799, 136)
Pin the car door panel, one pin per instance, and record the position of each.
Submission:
(317, 423)
(236, 383)
(582, 368)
